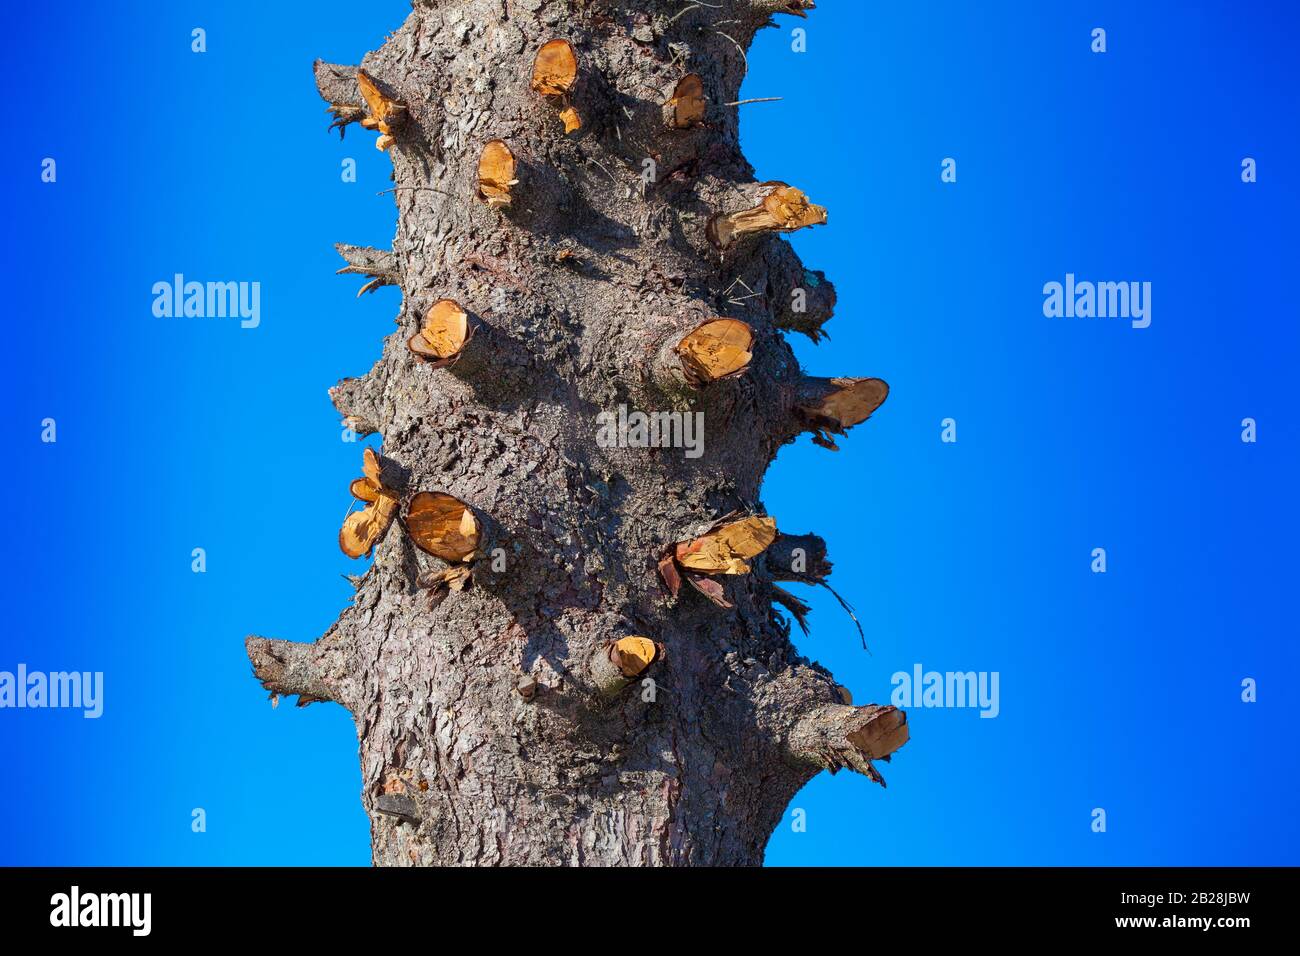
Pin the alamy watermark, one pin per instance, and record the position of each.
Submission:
(922, 688)
(1098, 300)
(64, 689)
(209, 300)
(75, 908)
(635, 429)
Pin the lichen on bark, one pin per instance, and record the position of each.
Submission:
(494, 725)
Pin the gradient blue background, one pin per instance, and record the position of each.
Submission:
(1118, 691)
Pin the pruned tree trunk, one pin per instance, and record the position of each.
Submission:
(505, 713)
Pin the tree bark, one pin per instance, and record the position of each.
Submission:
(491, 728)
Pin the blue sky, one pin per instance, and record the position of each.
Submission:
(1119, 691)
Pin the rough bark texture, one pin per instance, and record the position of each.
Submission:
(487, 734)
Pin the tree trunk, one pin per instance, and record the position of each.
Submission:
(497, 723)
